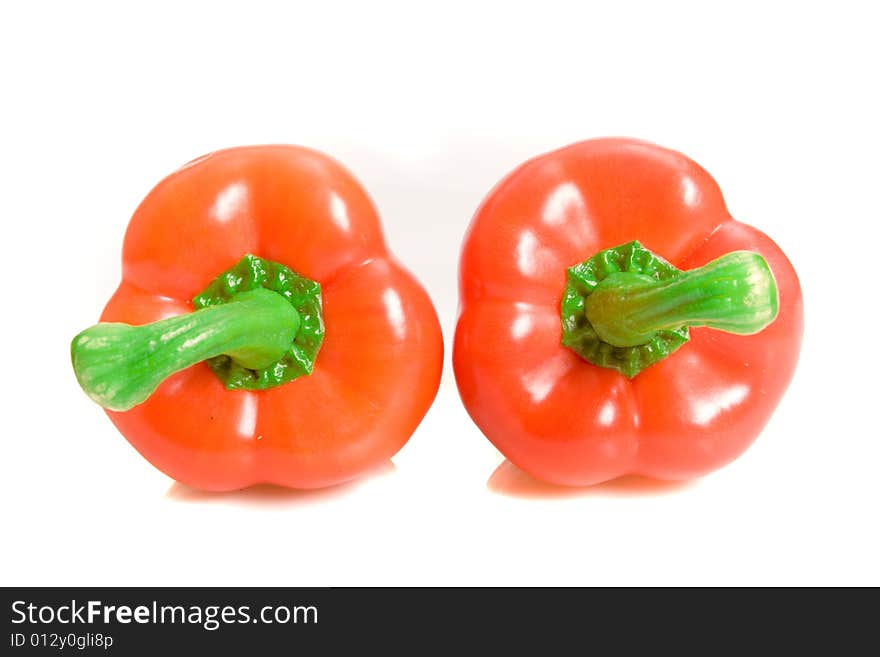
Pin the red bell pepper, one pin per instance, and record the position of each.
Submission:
(321, 353)
(616, 320)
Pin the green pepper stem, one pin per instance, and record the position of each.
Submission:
(119, 365)
(735, 293)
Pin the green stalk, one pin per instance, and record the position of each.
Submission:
(735, 293)
(120, 366)
(626, 308)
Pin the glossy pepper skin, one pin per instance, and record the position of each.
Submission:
(568, 421)
(378, 367)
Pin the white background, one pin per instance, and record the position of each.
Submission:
(430, 105)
